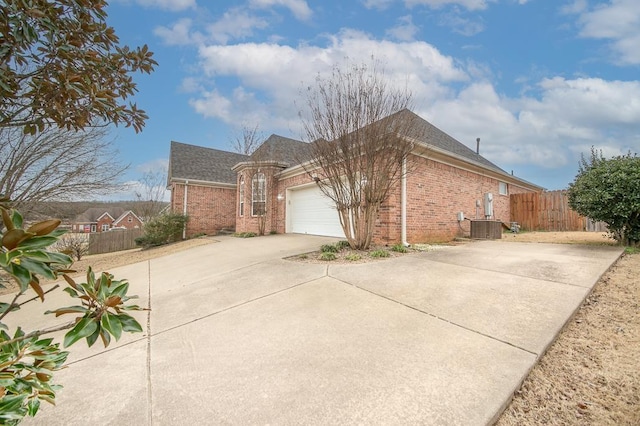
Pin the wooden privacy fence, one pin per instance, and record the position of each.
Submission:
(549, 211)
(106, 242)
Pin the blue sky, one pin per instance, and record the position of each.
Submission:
(539, 81)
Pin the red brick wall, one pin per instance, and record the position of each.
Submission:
(249, 223)
(436, 193)
(104, 220)
(133, 224)
(209, 209)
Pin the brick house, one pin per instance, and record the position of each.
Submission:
(448, 179)
(203, 187)
(100, 220)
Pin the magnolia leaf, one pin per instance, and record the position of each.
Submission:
(37, 242)
(69, 310)
(36, 287)
(112, 324)
(84, 328)
(129, 324)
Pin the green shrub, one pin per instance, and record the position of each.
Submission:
(245, 234)
(327, 255)
(632, 250)
(273, 232)
(399, 248)
(341, 245)
(329, 248)
(352, 257)
(162, 229)
(379, 253)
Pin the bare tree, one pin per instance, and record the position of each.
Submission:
(360, 143)
(73, 244)
(248, 140)
(150, 194)
(57, 164)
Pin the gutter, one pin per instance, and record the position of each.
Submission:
(184, 208)
(403, 202)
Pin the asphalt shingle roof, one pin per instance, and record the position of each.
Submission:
(213, 165)
(283, 150)
(429, 134)
(92, 214)
(204, 164)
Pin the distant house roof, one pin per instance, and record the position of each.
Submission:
(202, 164)
(283, 150)
(91, 215)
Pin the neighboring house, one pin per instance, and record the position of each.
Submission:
(448, 178)
(100, 220)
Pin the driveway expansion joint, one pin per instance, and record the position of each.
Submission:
(439, 318)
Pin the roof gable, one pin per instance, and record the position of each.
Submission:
(282, 150)
(203, 164)
(125, 214)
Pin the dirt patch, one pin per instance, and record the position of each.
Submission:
(596, 238)
(590, 375)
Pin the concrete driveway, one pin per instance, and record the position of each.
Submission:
(237, 335)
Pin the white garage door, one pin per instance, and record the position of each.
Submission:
(311, 212)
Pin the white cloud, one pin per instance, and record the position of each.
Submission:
(377, 4)
(464, 26)
(173, 5)
(271, 76)
(299, 8)
(549, 130)
(406, 30)
(236, 23)
(178, 34)
(617, 21)
(548, 127)
(467, 4)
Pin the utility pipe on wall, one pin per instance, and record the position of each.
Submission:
(403, 203)
(184, 209)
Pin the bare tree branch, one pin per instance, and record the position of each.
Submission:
(248, 140)
(359, 143)
(151, 194)
(57, 164)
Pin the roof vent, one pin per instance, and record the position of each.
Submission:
(478, 146)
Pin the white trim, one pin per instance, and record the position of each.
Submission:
(184, 209)
(204, 183)
(403, 204)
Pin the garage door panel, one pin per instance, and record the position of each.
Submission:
(311, 212)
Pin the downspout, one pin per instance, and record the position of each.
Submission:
(403, 202)
(184, 209)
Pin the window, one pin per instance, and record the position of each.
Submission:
(258, 195)
(93, 228)
(129, 219)
(105, 227)
(503, 189)
(241, 207)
